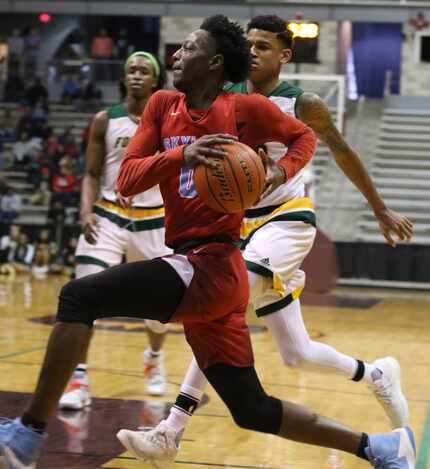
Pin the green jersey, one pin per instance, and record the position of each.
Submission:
(284, 95)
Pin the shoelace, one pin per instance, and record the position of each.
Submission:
(383, 392)
(161, 440)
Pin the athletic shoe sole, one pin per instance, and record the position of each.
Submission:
(407, 446)
(74, 407)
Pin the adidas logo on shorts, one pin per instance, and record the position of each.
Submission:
(265, 261)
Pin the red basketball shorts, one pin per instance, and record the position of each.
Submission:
(214, 305)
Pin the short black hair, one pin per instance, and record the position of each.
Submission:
(274, 24)
(232, 45)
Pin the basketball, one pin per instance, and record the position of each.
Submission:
(237, 181)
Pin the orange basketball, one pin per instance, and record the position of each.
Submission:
(237, 181)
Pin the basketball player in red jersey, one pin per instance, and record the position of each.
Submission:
(204, 284)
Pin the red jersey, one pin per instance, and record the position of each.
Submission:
(155, 155)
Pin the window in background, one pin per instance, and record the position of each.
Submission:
(422, 47)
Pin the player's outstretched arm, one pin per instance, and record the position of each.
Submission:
(94, 160)
(313, 111)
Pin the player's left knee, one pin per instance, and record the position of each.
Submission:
(74, 305)
(156, 326)
(263, 414)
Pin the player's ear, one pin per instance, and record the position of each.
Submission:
(286, 56)
(216, 62)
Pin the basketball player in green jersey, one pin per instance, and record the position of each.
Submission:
(278, 233)
(113, 228)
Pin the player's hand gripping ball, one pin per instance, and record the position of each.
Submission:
(234, 180)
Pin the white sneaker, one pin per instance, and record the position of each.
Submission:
(155, 375)
(156, 447)
(388, 391)
(77, 394)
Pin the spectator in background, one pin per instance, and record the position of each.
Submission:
(68, 141)
(31, 52)
(42, 195)
(71, 90)
(122, 46)
(22, 256)
(45, 253)
(26, 150)
(14, 89)
(102, 50)
(15, 44)
(8, 242)
(37, 93)
(68, 163)
(420, 22)
(65, 262)
(10, 206)
(102, 46)
(64, 186)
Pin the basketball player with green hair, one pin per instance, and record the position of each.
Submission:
(114, 228)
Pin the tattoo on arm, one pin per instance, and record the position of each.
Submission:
(314, 112)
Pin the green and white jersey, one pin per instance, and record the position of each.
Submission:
(119, 132)
(285, 97)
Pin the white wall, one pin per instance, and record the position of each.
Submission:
(415, 77)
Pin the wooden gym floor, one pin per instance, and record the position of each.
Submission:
(364, 323)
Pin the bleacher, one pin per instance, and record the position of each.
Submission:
(61, 117)
(401, 171)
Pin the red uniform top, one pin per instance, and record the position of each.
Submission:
(166, 127)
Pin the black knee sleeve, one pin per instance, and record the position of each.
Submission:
(260, 413)
(75, 304)
(248, 403)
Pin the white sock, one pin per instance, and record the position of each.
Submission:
(151, 354)
(81, 371)
(188, 399)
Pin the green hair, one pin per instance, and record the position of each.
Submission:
(148, 56)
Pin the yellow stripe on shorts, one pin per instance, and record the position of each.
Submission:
(294, 205)
(133, 213)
